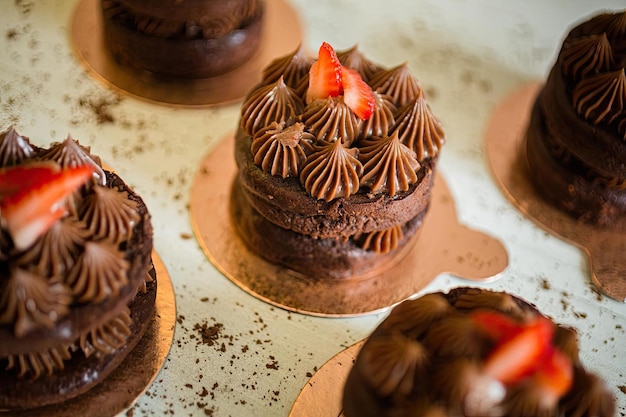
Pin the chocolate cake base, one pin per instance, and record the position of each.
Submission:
(197, 58)
(556, 168)
(80, 373)
(318, 258)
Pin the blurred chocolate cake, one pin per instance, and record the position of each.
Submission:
(77, 286)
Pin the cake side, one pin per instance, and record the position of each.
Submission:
(576, 139)
(185, 40)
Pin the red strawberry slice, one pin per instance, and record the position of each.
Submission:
(357, 94)
(324, 75)
(497, 325)
(30, 197)
(517, 357)
(554, 374)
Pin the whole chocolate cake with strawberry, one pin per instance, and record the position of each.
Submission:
(472, 353)
(77, 286)
(336, 161)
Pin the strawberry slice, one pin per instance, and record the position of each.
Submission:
(357, 94)
(517, 357)
(498, 326)
(324, 75)
(554, 374)
(30, 197)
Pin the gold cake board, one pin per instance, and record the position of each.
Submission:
(444, 245)
(281, 35)
(504, 140)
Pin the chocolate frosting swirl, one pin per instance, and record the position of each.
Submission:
(29, 301)
(601, 98)
(293, 68)
(53, 254)
(382, 241)
(99, 272)
(397, 82)
(586, 56)
(331, 120)
(353, 58)
(70, 153)
(109, 214)
(282, 150)
(36, 364)
(392, 364)
(270, 103)
(331, 171)
(14, 148)
(613, 24)
(382, 119)
(107, 338)
(388, 164)
(419, 129)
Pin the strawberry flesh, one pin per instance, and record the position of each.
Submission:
(498, 326)
(357, 94)
(31, 197)
(555, 373)
(324, 75)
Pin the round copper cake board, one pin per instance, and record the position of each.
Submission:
(128, 382)
(506, 152)
(444, 245)
(322, 394)
(281, 35)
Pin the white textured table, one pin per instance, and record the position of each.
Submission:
(255, 358)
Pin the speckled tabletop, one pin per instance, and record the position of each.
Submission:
(234, 355)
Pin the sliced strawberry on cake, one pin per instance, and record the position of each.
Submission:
(357, 94)
(325, 75)
(31, 197)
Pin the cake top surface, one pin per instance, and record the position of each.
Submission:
(360, 127)
(65, 228)
(474, 353)
(593, 60)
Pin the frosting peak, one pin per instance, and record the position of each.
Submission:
(29, 301)
(586, 56)
(353, 58)
(399, 83)
(331, 120)
(331, 171)
(282, 150)
(389, 165)
(419, 129)
(14, 148)
(601, 98)
(274, 102)
(70, 154)
(293, 68)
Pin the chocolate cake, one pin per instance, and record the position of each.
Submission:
(472, 352)
(183, 38)
(336, 161)
(77, 286)
(576, 139)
